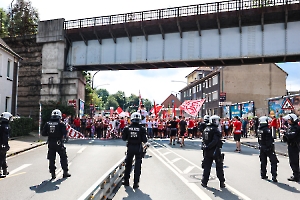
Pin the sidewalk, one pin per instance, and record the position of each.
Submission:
(251, 141)
(24, 143)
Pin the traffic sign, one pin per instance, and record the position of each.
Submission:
(225, 103)
(222, 96)
(287, 105)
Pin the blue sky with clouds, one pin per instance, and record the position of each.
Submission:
(153, 84)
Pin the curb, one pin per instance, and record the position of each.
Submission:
(256, 147)
(26, 149)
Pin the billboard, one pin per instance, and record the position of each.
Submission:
(275, 107)
(226, 111)
(248, 109)
(81, 108)
(235, 110)
(296, 104)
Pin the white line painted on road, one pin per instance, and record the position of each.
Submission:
(81, 150)
(175, 160)
(166, 153)
(198, 192)
(91, 141)
(188, 169)
(228, 186)
(19, 169)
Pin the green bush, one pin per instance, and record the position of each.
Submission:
(21, 126)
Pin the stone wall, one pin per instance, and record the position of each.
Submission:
(30, 72)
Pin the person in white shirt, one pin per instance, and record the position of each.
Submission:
(144, 114)
(149, 125)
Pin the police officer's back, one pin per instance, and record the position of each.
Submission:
(135, 135)
(212, 145)
(56, 130)
(4, 147)
(267, 149)
(202, 125)
(292, 137)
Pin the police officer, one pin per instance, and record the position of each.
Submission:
(4, 147)
(211, 147)
(292, 137)
(203, 124)
(267, 149)
(134, 134)
(56, 130)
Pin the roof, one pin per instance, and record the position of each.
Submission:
(281, 69)
(169, 99)
(7, 48)
(200, 69)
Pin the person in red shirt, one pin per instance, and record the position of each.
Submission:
(122, 125)
(190, 128)
(274, 126)
(76, 123)
(237, 131)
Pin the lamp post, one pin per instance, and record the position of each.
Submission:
(179, 82)
(100, 85)
(93, 79)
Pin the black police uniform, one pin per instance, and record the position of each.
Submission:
(266, 143)
(212, 145)
(292, 137)
(201, 127)
(56, 131)
(134, 134)
(4, 147)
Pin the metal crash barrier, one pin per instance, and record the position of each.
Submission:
(104, 188)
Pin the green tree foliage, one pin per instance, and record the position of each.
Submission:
(111, 102)
(21, 126)
(103, 93)
(23, 19)
(120, 98)
(3, 24)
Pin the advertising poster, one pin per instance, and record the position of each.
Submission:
(248, 110)
(296, 104)
(225, 111)
(81, 108)
(235, 110)
(275, 107)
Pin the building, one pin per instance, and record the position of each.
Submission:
(235, 84)
(9, 64)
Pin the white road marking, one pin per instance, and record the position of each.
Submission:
(228, 186)
(19, 169)
(175, 160)
(188, 169)
(198, 192)
(166, 153)
(91, 141)
(81, 150)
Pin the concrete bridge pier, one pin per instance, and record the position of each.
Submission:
(58, 84)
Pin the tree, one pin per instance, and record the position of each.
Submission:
(23, 19)
(120, 98)
(111, 102)
(3, 24)
(103, 93)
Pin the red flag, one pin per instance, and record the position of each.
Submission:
(164, 114)
(140, 101)
(119, 110)
(192, 107)
(155, 111)
(181, 113)
(174, 110)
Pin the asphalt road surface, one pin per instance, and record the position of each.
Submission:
(171, 172)
(88, 160)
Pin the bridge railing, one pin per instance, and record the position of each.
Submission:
(200, 9)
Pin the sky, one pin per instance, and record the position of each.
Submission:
(156, 84)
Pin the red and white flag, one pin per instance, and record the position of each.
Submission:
(119, 110)
(72, 133)
(192, 107)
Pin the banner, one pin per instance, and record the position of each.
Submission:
(192, 107)
(275, 107)
(226, 111)
(235, 110)
(296, 104)
(119, 110)
(72, 133)
(248, 110)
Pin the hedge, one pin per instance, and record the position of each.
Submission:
(21, 126)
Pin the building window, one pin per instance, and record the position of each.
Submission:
(7, 104)
(215, 95)
(191, 91)
(199, 87)
(8, 69)
(209, 97)
(194, 90)
(209, 82)
(206, 84)
(184, 94)
(215, 80)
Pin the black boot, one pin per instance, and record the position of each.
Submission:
(264, 177)
(222, 185)
(136, 185)
(125, 183)
(53, 175)
(274, 179)
(66, 174)
(204, 184)
(5, 172)
(293, 178)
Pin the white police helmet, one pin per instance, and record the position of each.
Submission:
(206, 118)
(6, 115)
(135, 117)
(56, 114)
(215, 119)
(264, 120)
(291, 116)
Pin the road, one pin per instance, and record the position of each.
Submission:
(171, 172)
(168, 172)
(88, 159)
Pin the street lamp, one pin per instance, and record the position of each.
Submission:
(100, 85)
(180, 82)
(93, 79)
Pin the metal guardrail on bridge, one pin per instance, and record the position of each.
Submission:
(207, 8)
(105, 186)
